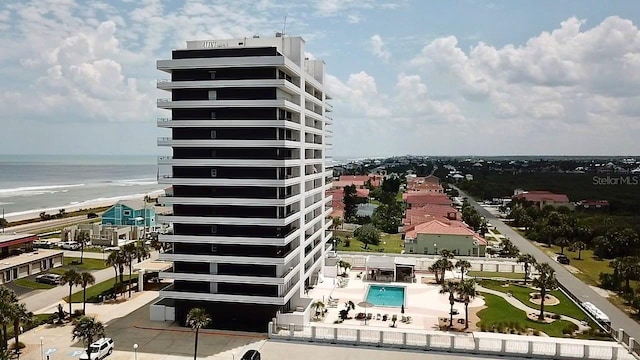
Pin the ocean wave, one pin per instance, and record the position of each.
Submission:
(35, 190)
(6, 203)
(75, 205)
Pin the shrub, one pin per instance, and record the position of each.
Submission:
(569, 329)
(77, 313)
(536, 332)
(556, 316)
(347, 242)
(18, 345)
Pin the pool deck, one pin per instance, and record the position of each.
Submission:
(423, 303)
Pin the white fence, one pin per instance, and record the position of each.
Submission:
(475, 343)
(423, 262)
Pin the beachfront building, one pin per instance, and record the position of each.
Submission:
(249, 135)
(130, 213)
(19, 258)
(432, 237)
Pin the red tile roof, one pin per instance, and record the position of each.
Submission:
(543, 196)
(437, 227)
(420, 199)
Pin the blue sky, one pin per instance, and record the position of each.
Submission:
(407, 76)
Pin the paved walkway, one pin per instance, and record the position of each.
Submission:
(619, 319)
(518, 304)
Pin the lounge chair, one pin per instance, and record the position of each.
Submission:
(409, 320)
(385, 317)
(403, 319)
(378, 316)
(369, 316)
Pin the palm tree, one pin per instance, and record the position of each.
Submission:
(463, 265)
(85, 279)
(545, 281)
(336, 222)
(82, 237)
(114, 260)
(71, 278)
(625, 268)
(141, 253)
(7, 298)
(467, 291)
(563, 242)
(446, 253)
(87, 329)
(579, 245)
(318, 306)
(527, 261)
(449, 287)
(20, 315)
(444, 265)
(130, 253)
(343, 265)
(196, 319)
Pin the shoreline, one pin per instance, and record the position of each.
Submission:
(83, 205)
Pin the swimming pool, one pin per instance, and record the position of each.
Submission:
(380, 295)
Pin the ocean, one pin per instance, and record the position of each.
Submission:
(36, 183)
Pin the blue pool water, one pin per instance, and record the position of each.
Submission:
(380, 295)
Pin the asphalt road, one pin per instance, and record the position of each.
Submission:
(38, 227)
(42, 299)
(619, 319)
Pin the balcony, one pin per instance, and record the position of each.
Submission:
(167, 141)
(232, 240)
(171, 180)
(172, 200)
(282, 84)
(238, 279)
(257, 260)
(282, 123)
(169, 160)
(218, 220)
(170, 293)
(286, 103)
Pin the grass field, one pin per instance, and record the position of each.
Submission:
(94, 291)
(87, 265)
(590, 266)
(32, 284)
(565, 307)
(488, 274)
(500, 311)
(389, 243)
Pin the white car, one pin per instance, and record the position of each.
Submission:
(69, 245)
(99, 350)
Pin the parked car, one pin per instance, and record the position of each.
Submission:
(99, 350)
(43, 244)
(251, 355)
(51, 279)
(563, 259)
(69, 245)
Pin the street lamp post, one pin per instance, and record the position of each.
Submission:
(435, 246)
(41, 349)
(135, 351)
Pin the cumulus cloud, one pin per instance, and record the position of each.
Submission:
(378, 48)
(567, 75)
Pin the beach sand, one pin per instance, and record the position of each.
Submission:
(35, 214)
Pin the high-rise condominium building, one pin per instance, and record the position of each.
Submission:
(249, 135)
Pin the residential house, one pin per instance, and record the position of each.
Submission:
(130, 213)
(544, 198)
(434, 236)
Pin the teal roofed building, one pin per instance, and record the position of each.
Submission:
(130, 213)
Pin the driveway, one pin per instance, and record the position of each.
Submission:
(619, 319)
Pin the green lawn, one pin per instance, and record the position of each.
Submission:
(389, 243)
(590, 266)
(87, 265)
(489, 274)
(94, 291)
(565, 307)
(500, 311)
(32, 284)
